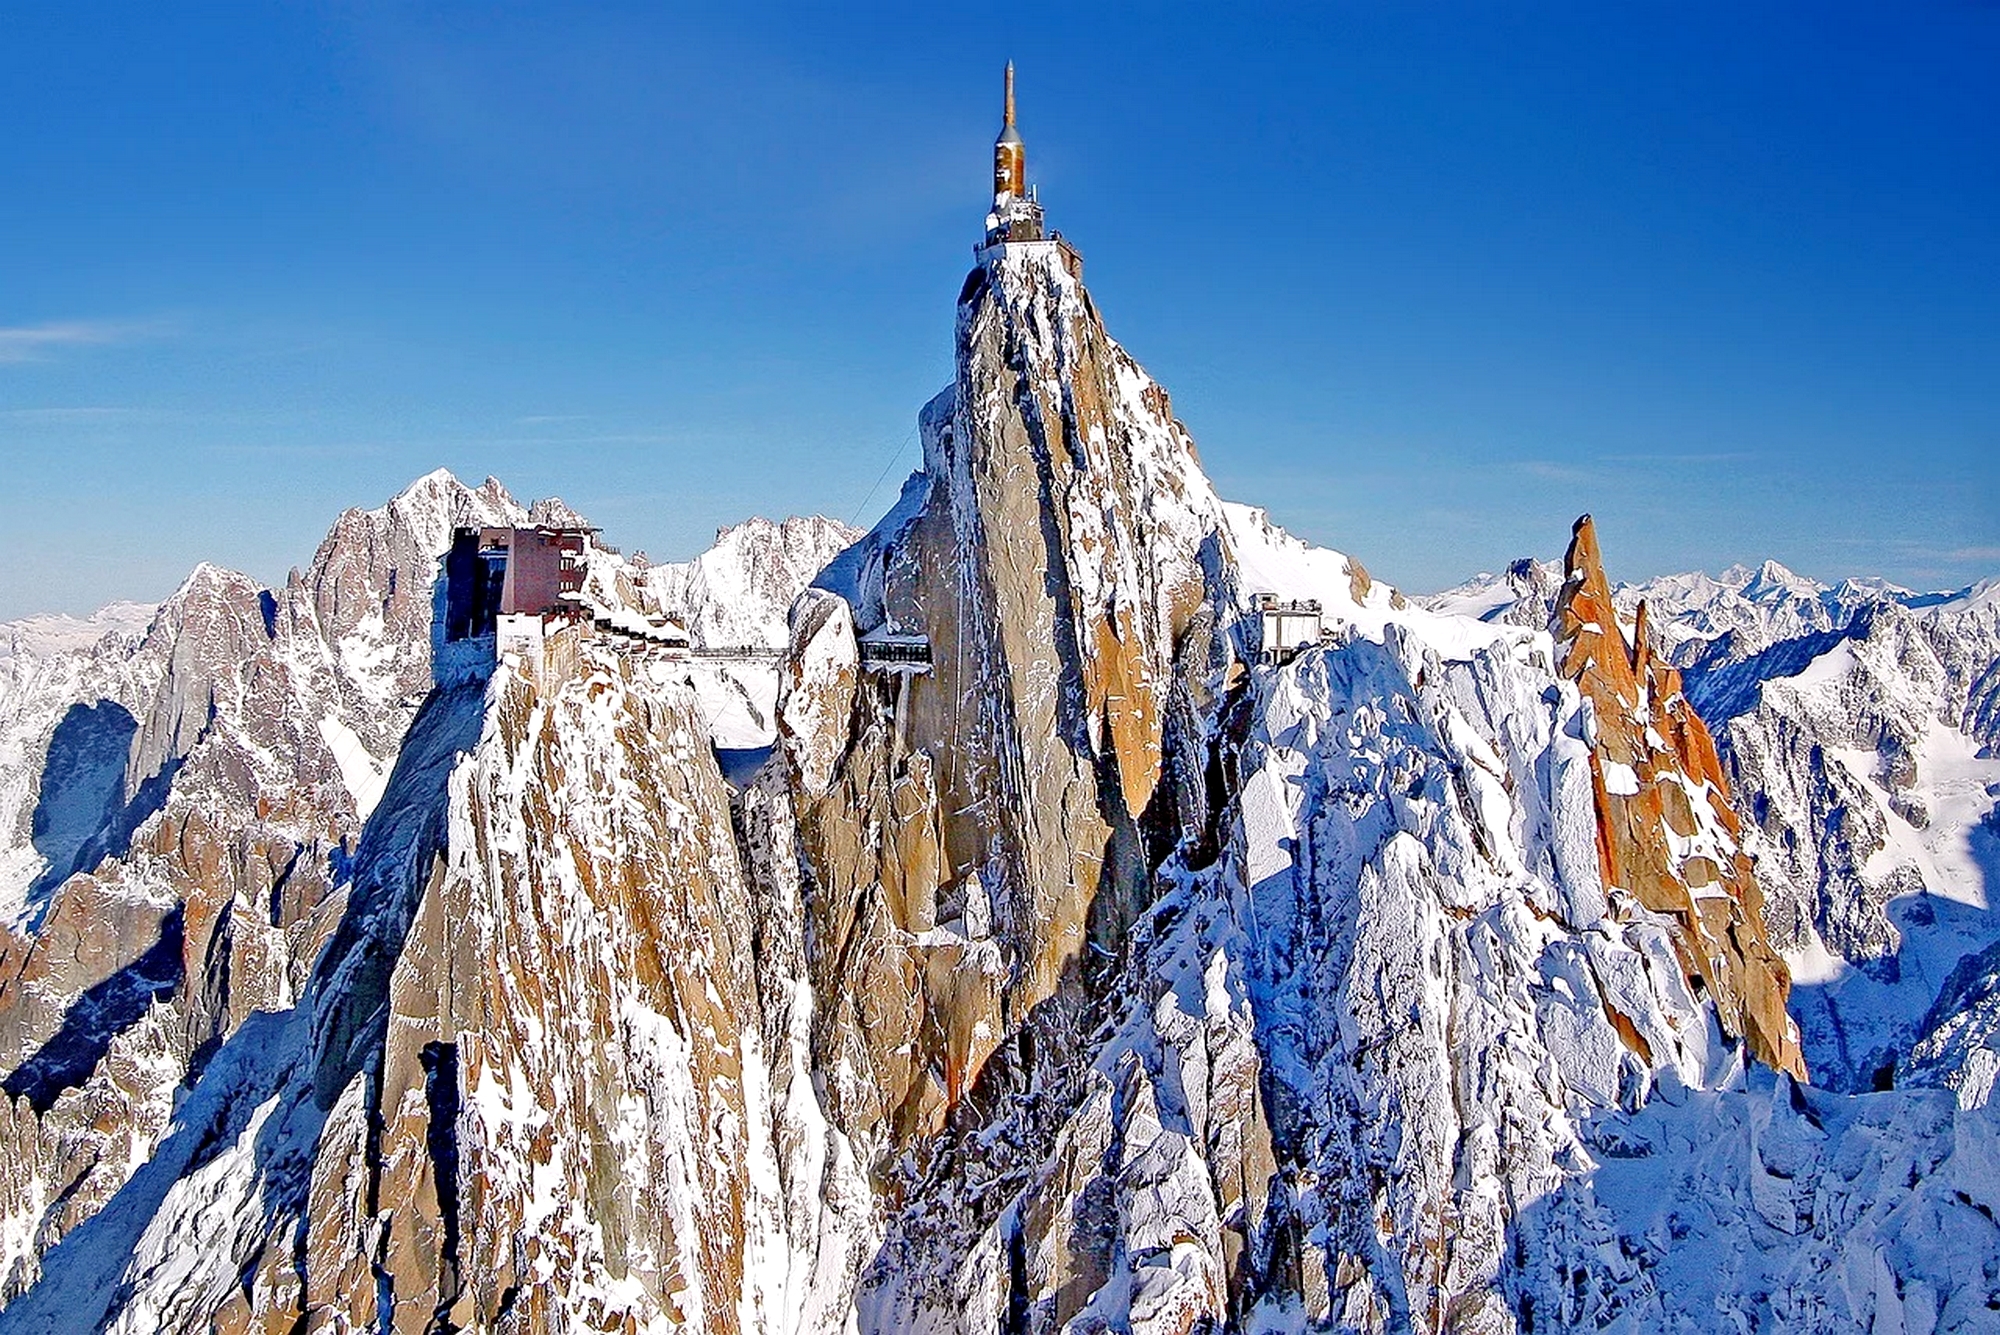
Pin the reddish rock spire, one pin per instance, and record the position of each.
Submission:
(1666, 833)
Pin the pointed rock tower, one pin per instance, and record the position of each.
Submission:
(978, 828)
(1667, 835)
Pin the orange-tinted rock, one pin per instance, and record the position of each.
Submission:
(971, 830)
(1667, 835)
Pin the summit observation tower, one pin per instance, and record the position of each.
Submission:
(1016, 216)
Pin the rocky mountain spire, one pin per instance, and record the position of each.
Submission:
(1062, 564)
(1070, 963)
(1667, 835)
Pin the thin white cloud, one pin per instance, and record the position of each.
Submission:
(1697, 457)
(1550, 471)
(83, 416)
(33, 343)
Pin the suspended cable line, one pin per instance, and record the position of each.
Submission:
(854, 520)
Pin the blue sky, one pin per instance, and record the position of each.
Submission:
(1425, 280)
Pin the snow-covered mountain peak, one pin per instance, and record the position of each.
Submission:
(739, 592)
(1522, 595)
(55, 633)
(554, 512)
(207, 578)
(1856, 590)
(1981, 596)
(1773, 580)
(432, 505)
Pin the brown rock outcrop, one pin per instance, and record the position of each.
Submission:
(1667, 835)
(555, 1077)
(235, 739)
(988, 821)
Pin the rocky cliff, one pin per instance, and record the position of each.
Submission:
(975, 832)
(1070, 963)
(529, 1084)
(181, 806)
(185, 792)
(1667, 835)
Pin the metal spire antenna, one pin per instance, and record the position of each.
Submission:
(1010, 155)
(1016, 215)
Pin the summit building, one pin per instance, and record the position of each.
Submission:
(1016, 216)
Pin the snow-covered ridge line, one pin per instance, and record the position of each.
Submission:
(55, 633)
(1709, 621)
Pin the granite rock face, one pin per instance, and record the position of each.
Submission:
(1856, 725)
(991, 821)
(180, 805)
(539, 1091)
(317, 1151)
(1667, 834)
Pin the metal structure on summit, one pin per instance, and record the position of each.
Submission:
(1016, 218)
(497, 572)
(1288, 627)
(1010, 155)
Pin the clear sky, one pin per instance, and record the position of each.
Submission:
(1426, 280)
